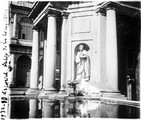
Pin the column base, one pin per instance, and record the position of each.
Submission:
(63, 92)
(32, 91)
(109, 91)
(46, 92)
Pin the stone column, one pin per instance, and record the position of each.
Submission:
(63, 51)
(44, 62)
(111, 50)
(14, 26)
(50, 55)
(101, 49)
(11, 71)
(35, 62)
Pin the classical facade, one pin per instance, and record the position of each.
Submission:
(109, 33)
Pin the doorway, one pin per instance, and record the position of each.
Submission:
(23, 71)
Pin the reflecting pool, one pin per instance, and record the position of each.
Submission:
(20, 108)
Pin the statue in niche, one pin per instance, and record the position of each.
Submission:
(83, 64)
(82, 61)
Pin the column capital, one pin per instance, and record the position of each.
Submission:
(101, 11)
(64, 15)
(35, 28)
(51, 15)
(110, 8)
(52, 12)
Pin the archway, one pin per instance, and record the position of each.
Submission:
(23, 71)
(25, 28)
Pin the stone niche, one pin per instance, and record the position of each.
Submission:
(89, 46)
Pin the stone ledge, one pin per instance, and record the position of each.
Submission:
(17, 92)
(121, 101)
(32, 92)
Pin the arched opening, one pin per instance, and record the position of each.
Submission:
(23, 71)
(25, 28)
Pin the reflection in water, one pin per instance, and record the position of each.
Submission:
(74, 108)
(56, 109)
(109, 111)
(132, 112)
(72, 111)
(89, 109)
(47, 110)
(32, 108)
(19, 109)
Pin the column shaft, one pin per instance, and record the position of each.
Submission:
(111, 50)
(101, 48)
(14, 26)
(44, 64)
(62, 109)
(50, 55)
(63, 53)
(35, 61)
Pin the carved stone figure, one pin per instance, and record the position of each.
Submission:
(83, 64)
(82, 61)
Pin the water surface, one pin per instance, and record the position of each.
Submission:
(69, 108)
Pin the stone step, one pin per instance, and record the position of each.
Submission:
(17, 91)
(114, 95)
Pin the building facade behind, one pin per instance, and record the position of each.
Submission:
(21, 35)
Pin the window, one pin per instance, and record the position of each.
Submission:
(25, 29)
